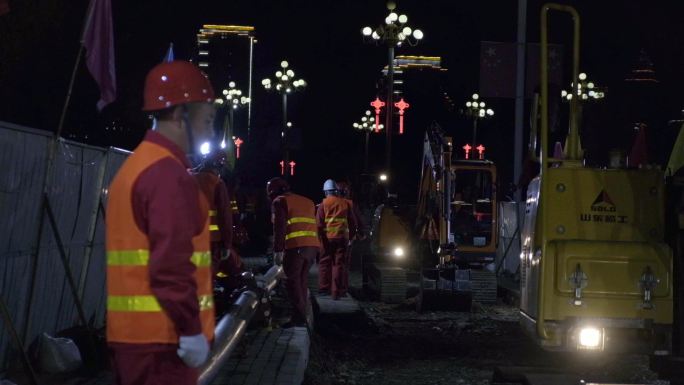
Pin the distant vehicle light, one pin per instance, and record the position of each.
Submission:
(383, 177)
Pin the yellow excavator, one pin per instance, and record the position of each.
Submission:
(596, 271)
(457, 223)
(447, 241)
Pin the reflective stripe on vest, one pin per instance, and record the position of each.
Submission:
(301, 220)
(142, 258)
(148, 303)
(212, 219)
(297, 234)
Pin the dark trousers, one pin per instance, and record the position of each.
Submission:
(347, 266)
(157, 367)
(332, 268)
(296, 265)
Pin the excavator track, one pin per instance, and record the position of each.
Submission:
(483, 286)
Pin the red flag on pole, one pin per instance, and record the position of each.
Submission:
(4, 7)
(498, 63)
(98, 40)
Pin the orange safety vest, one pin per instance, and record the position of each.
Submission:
(133, 313)
(301, 222)
(336, 211)
(207, 183)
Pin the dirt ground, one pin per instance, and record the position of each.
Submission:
(392, 344)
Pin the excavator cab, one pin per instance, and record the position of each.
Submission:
(473, 227)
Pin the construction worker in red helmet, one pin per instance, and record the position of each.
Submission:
(215, 191)
(336, 226)
(160, 311)
(344, 191)
(295, 243)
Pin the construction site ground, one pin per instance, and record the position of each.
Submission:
(383, 344)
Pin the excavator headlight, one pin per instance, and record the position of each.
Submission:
(398, 253)
(590, 338)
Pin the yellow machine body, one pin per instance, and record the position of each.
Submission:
(596, 272)
(391, 233)
(609, 226)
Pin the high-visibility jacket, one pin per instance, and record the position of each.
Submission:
(220, 216)
(334, 217)
(300, 230)
(134, 314)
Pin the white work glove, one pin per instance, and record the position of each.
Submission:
(278, 257)
(193, 350)
(225, 254)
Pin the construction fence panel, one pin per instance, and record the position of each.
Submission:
(34, 284)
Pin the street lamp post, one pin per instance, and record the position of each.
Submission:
(393, 34)
(234, 101)
(475, 109)
(285, 84)
(585, 92)
(367, 125)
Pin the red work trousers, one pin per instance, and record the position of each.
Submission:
(332, 268)
(159, 366)
(296, 265)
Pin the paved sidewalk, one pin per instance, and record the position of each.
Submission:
(276, 357)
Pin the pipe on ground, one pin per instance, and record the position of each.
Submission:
(269, 280)
(228, 334)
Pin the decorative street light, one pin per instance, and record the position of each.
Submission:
(233, 101)
(285, 84)
(367, 125)
(393, 33)
(586, 90)
(476, 109)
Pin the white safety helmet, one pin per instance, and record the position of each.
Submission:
(329, 185)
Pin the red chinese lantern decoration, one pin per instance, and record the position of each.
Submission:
(480, 150)
(377, 104)
(401, 105)
(467, 149)
(238, 143)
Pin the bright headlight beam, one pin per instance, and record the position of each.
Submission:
(590, 338)
(398, 252)
(205, 148)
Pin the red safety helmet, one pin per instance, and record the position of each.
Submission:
(173, 83)
(277, 186)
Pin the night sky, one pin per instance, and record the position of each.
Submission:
(322, 41)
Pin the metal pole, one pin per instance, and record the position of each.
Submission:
(520, 96)
(86, 24)
(474, 132)
(286, 149)
(390, 105)
(249, 91)
(60, 126)
(231, 121)
(365, 153)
